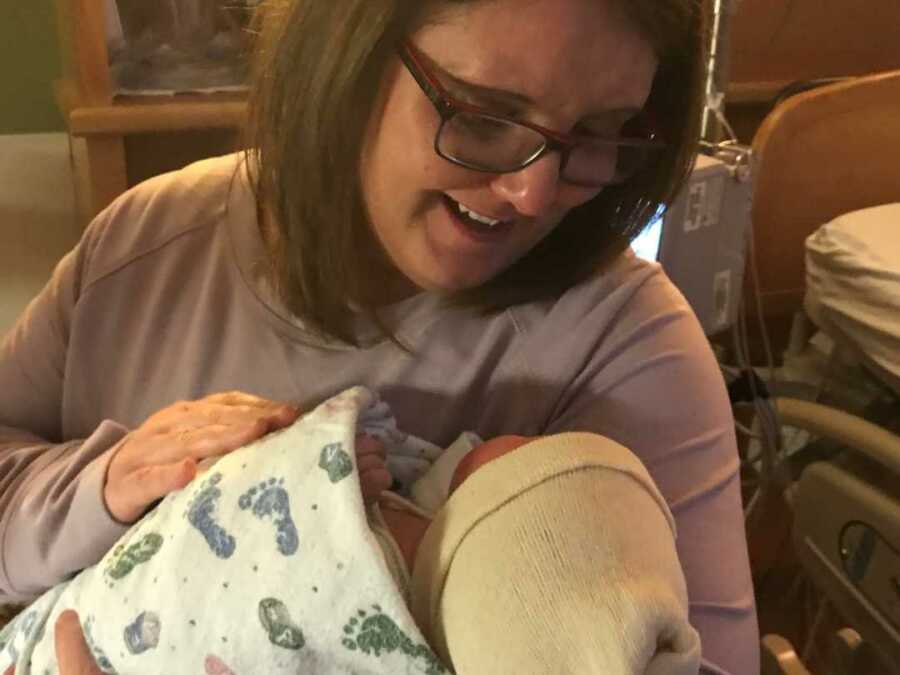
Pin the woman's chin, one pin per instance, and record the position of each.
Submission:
(446, 280)
(449, 271)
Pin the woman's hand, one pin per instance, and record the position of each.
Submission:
(161, 455)
(72, 654)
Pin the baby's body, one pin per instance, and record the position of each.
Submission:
(502, 530)
(318, 484)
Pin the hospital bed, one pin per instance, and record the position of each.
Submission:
(826, 221)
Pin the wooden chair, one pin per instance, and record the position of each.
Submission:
(101, 123)
(819, 154)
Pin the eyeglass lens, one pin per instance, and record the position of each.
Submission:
(497, 145)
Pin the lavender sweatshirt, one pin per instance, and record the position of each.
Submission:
(163, 300)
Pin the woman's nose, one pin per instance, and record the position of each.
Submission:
(532, 191)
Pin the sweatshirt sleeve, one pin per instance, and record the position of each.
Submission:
(651, 383)
(53, 521)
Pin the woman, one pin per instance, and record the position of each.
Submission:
(438, 206)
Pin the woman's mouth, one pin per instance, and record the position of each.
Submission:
(474, 224)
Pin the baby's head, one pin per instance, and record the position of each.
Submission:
(484, 453)
(408, 528)
(558, 557)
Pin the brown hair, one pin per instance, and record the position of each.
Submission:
(317, 79)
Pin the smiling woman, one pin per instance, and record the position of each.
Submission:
(566, 65)
(436, 203)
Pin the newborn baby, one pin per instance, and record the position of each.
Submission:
(516, 555)
(407, 523)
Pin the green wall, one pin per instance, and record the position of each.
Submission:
(29, 63)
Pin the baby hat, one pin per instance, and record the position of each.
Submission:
(556, 558)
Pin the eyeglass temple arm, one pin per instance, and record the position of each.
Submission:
(432, 89)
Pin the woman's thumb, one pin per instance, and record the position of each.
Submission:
(146, 485)
(72, 654)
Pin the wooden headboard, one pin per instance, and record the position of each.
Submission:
(820, 154)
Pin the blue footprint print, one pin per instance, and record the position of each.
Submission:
(269, 500)
(143, 633)
(201, 514)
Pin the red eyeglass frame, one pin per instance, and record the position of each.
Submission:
(448, 105)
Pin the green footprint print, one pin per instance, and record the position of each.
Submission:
(375, 633)
(124, 560)
(336, 462)
(276, 620)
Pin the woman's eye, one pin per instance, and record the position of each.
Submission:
(482, 126)
(611, 129)
(616, 126)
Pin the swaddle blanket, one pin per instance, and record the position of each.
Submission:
(265, 564)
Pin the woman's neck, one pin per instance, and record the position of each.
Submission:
(388, 286)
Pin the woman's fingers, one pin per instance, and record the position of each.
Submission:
(239, 398)
(72, 654)
(201, 442)
(280, 413)
(161, 455)
(204, 413)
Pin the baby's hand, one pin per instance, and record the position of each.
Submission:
(374, 477)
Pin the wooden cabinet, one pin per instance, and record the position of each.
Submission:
(120, 140)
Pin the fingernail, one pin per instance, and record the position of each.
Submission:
(68, 615)
(189, 468)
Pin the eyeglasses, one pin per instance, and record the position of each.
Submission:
(475, 138)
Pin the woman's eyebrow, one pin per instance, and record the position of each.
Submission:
(487, 94)
(492, 95)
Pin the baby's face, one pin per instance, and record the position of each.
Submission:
(484, 453)
(408, 529)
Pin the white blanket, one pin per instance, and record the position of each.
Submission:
(853, 286)
(266, 564)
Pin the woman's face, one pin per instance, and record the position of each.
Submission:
(569, 65)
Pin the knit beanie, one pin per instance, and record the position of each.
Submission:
(558, 557)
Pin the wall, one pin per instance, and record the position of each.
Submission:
(29, 62)
(37, 213)
(775, 42)
(787, 40)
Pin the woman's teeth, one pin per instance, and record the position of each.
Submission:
(477, 217)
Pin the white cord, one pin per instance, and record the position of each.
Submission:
(749, 433)
(810, 646)
(757, 295)
(715, 102)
